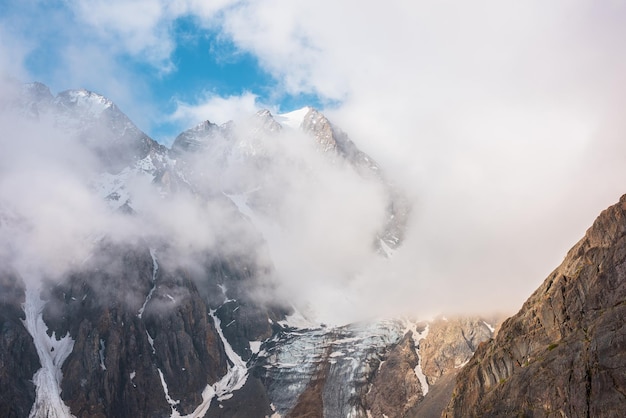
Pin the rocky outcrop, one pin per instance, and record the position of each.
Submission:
(18, 356)
(395, 388)
(450, 344)
(564, 352)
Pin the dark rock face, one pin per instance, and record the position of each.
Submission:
(18, 356)
(395, 388)
(125, 340)
(436, 400)
(564, 352)
(250, 401)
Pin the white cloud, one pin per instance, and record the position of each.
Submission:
(144, 28)
(216, 109)
(485, 110)
(501, 119)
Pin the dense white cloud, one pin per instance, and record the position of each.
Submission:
(217, 109)
(502, 120)
(486, 111)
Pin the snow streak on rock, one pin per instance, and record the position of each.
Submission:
(491, 328)
(237, 374)
(417, 337)
(233, 380)
(52, 353)
(155, 269)
(168, 398)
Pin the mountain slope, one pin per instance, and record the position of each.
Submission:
(564, 352)
(170, 306)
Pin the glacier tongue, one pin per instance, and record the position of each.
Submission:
(344, 358)
(52, 353)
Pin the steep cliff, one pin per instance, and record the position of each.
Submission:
(564, 352)
(18, 356)
(396, 388)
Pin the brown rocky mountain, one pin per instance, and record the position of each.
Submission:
(564, 353)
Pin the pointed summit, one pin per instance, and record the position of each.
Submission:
(195, 139)
(84, 101)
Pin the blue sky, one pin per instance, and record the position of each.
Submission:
(201, 62)
(503, 120)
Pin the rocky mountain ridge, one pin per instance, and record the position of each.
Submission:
(563, 353)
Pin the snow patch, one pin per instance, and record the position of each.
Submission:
(237, 374)
(460, 366)
(492, 329)
(293, 119)
(297, 320)
(151, 342)
(241, 201)
(168, 398)
(386, 249)
(255, 346)
(101, 353)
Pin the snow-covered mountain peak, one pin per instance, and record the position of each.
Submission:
(203, 127)
(197, 138)
(294, 119)
(264, 122)
(87, 101)
(36, 92)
